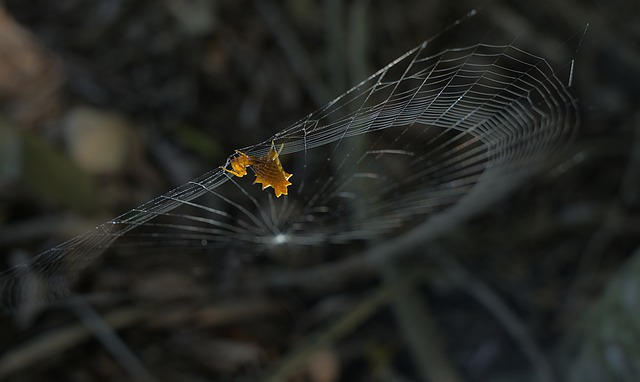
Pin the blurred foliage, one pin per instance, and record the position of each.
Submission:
(43, 172)
(192, 80)
(609, 335)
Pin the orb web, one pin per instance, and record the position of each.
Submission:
(424, 134)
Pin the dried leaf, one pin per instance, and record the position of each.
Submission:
(268, 170)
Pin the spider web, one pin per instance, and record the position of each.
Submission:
(426, 135)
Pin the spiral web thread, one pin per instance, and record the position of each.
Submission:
(422, 135)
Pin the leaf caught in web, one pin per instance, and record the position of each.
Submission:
(268, 169)
(427, 137)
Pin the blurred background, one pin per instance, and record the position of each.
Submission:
(109, 103)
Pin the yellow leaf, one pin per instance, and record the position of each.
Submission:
(268, 170)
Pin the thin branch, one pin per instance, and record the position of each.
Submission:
(342, 327)
(500, 310)
(111, 341)
(293, 50)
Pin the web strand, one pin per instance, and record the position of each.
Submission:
(423, 134)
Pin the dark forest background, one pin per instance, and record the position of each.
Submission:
(105, 104)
